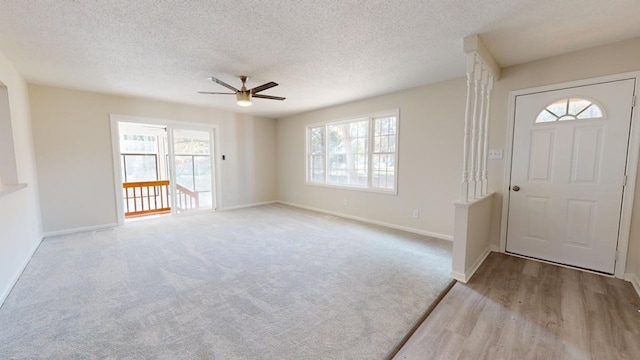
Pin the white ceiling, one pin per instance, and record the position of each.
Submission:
(321, 53)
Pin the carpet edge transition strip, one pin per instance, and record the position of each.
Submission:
(424, 316)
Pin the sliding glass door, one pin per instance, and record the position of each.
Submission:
(192, 153)
(163, 167)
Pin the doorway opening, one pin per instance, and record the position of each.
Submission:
(163, 168)
(144, 170)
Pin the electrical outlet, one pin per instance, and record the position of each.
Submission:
(495, 154)
(416, 214)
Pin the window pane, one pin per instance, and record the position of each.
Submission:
(592, 112)
(193, 171)
(202, 180)
(317, 140)
(348, 153)
(205, 199)
(337, 166)
(184, 171)
(559, 108)
(570, 109)
(138, 144)
(317, 168)
(545, 116)
(577, 105)
(383, 171)
(191, 142)
(202, 176)
(385, 143)
(139, 168)
(336, 138)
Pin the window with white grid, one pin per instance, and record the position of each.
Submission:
(316, 154)
(358, 153)
(383, 157)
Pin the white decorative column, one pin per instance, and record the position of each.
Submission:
(471, 234)
(481, 72)
(474, 156)
(485, 152)
(477, 191)
(464, 190)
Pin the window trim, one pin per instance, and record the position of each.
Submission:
(370, 138)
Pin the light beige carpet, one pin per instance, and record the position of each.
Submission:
(270, 282)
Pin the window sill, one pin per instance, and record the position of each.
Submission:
(6, 189)
(346, 187)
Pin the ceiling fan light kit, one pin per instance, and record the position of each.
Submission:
(244, 98)
(243, 95)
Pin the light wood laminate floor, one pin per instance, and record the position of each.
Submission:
(515, 308)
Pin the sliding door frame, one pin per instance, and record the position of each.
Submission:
(214, 134)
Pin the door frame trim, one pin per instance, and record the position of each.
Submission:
(633, 152)
(115, 119)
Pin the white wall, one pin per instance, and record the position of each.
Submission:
(20, 229)
(74, 155)
(430, 149)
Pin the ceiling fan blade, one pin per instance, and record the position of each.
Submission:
(215, 93)
(222, 83)
(268, 97)
(263, 87)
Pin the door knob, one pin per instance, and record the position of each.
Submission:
(515, 188)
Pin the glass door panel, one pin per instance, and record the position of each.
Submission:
(192, 170)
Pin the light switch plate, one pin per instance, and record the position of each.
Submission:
(495, 154)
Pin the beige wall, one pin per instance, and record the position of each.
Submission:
(20, 228)
(604, 60)
(74, 153)
(430, 150)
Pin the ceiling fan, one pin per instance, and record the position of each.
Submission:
(243, 95)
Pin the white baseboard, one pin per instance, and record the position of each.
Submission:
(16, 276)
(370, 221)
(464, 278)
(495, 248)
(226, 208)
(458, 276)
(80, 229)
(634, 280)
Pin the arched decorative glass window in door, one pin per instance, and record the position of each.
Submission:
(570, 109)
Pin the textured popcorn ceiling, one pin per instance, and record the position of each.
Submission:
(321, 53)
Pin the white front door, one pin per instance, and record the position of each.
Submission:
(568, 173)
